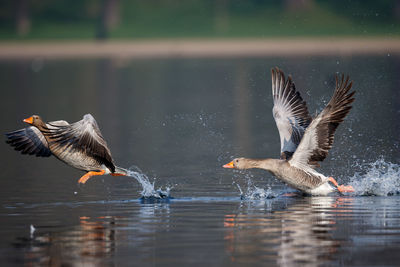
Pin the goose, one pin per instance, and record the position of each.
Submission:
(80, 145)
(304, 141)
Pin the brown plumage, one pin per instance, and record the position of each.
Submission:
(291, 115)
(333, 114)
(80, 144)
(325, 125)
(91, 143)
(29, 141)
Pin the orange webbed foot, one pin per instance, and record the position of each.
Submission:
(88, 175)
(345, 189)
(117, 174)
(341, 188)
(333, 181)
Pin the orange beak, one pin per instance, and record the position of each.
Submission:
(29, 120)
(229, 165)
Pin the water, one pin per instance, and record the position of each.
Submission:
(148, 191)
(179, 120)
(379, 178)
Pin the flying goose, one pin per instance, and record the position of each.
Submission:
(304, 141)
(78, 144)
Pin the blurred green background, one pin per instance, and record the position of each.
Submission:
(138, 19)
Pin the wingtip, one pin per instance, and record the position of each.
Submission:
(276, 70)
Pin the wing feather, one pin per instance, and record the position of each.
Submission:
(319, 136)
(31, 141)
(290, 112)
(83, 136)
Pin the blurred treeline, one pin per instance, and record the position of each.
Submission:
(87, 19)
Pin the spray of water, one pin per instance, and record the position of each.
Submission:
(379, 178)
(148, 190)
(256, 193)
(253, 192)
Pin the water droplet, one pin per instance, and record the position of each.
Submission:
(32, 230)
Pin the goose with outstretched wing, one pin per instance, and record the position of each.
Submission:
(80, 144)
(304, 141)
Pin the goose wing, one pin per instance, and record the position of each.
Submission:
(318, 138)
(85, 137)
(290, 112)
(31, 141)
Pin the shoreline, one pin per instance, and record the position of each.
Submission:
(192, 48)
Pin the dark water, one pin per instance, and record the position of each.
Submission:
(179, 120)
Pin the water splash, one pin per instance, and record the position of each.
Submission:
(255, 193)
(148, 191)
(379, 178)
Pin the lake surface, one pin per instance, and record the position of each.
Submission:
(179, 120)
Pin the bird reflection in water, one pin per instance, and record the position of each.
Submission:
(88, 243)
(93, 241)
(288, 233)
(97, 237)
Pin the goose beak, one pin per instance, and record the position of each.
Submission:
(229, 165)
(29, 120)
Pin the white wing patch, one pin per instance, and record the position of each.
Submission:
(289, 111)
(306, 147)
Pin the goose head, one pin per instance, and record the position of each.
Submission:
(34, 120)
(238, 163)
